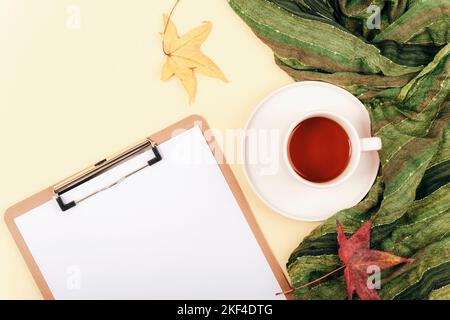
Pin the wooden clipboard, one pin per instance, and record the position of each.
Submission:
(159, 137)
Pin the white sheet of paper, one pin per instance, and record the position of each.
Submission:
(171, 231)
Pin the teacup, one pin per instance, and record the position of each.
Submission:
(323, 149)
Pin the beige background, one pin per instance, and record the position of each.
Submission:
(69, 97)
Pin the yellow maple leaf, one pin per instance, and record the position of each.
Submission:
(184, 56)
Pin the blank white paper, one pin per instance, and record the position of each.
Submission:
(172, 231)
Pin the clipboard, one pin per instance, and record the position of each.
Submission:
(56, 194)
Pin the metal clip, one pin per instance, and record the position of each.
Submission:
(100, 168)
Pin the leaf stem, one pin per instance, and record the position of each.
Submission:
(311, 282)
(167, 24)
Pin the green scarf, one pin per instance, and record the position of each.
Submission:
(401, 73)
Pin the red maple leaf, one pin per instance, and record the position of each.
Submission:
(357, 256)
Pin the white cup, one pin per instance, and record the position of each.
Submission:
(357, 145)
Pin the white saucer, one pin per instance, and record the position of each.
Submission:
(278, 189)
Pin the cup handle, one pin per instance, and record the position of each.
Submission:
(371, 144)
